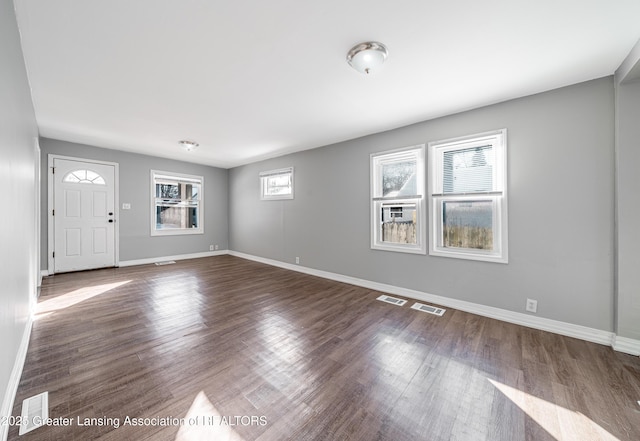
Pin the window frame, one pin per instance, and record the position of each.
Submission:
(377, 201)
(497, 195)
(264, 175)
(180, 178)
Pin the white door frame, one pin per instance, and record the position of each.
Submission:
(37, 234)
(50, 220)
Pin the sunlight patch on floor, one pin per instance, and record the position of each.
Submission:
(558, 421)
(209, 423)
(282, 338)
(48, 307)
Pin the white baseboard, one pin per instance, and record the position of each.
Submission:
(43, 273)
(626, 345)
(544, 324)
(176, 257)
(14, 380)
(123, 263)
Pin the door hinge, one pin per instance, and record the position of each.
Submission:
(53, 212)
(53, 170)
(54, 254)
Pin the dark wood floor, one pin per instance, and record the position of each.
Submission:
(260, 353)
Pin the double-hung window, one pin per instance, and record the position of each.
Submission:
(398, 221)
(276, 184)
(468, 197)
(176, 203)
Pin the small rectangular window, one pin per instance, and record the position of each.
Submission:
(276, 184)
(468, 197)
(177, 201)
(398, 221)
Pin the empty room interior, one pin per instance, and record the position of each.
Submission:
(320, 220)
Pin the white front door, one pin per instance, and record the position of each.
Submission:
(84, 215)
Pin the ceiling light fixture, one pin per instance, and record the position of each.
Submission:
(188, 146)
(368, 56)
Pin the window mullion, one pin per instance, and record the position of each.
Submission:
(469, 194)
(383, 198)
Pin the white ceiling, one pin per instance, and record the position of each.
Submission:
(255, 79)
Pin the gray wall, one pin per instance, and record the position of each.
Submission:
(18, 133)
(134, 224)
(628, 209)
(561, 177)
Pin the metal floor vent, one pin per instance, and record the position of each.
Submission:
(166, 262)
(392, 300)
(428, 308)
(35, 412)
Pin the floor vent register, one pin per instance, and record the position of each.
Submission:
(392, 300)
(35, 412)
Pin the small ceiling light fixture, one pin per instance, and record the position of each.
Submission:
(368, 56)
(188, 146)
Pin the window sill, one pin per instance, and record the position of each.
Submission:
(177, 232)
(399, 248)
(470, 255)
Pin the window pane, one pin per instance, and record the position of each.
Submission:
(192, 191)
(277, 191)
(399, 223)
(468, 170)
(278, 181)
(168, 191)
(468, 224)
(176, 216)
(83, 177)
(71, 178)
(277, 185)
(399, 178)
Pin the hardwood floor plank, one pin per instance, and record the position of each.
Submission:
(304, 358)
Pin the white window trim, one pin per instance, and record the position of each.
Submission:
(417, 151)
(498, 138)
(280, 171)
(183, 177)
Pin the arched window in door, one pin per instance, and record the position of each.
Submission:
(83, 177)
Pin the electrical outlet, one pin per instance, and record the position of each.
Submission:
(210, 247)
(297, 260)
(532, 305)
(216, 247)
(126, 206)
